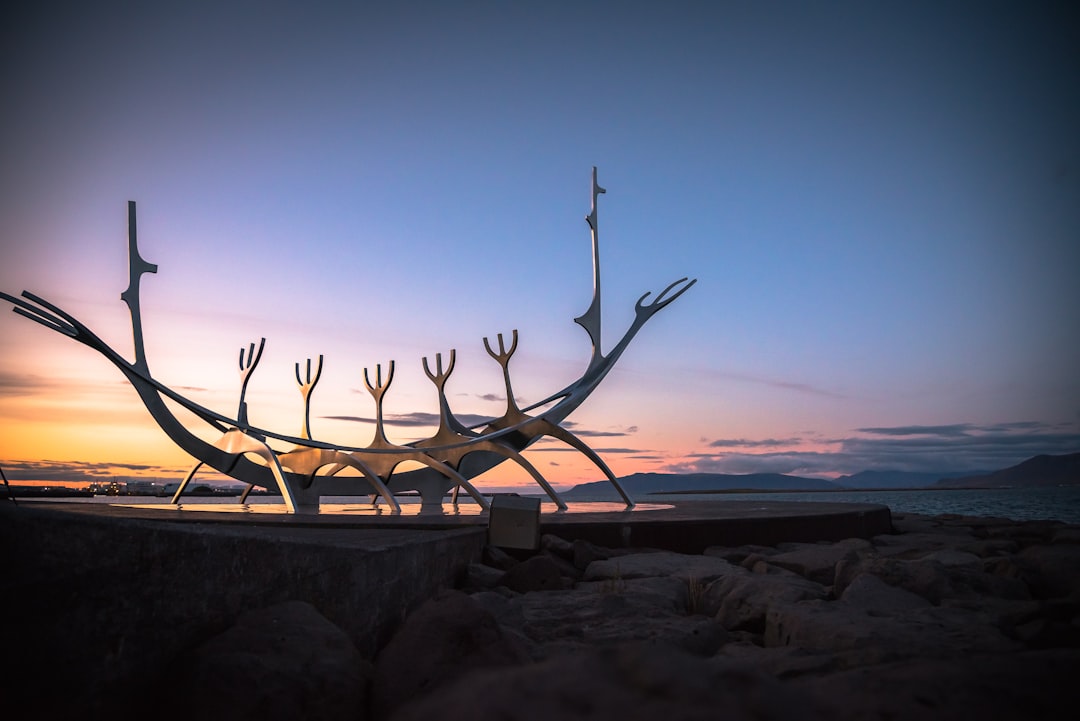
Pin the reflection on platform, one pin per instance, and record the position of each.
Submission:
(382, 510)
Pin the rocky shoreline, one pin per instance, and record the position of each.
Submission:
(948, 617)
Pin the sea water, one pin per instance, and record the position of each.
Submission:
(1059, 503)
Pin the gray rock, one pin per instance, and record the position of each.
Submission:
(557, 545)
(1026, 533)
(567, 569)
(930, 579)
(953, 557)
(1066, 534)
(869, 593)
(858, 638)
(754, 559)
(780, 662)
(585, 553)
(603, 619)
(738, 554)
(1051, 571)
(506, 609)
(740, 602)
(917, 545)
(538, 573)
(1026, 685)
(437, 644)
(670, 593)
(498, 558)
(762, 567)
(817, 562)
(663, 563)
(282, 662)
(479, 577)
(629, 683)
(990, 547)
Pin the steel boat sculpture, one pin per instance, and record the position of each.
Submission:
(310, 468)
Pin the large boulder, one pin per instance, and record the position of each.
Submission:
(568, 619)
(673, 594)
(629, 683)
(931, 579)
(438, 643)
(918, 544)
(782, 662)
(538, 573)
(990, 547)
(817, 561)
(738, 554)
(1026, 685)
(282, 662)
(1050, 571)
(584, 553)
(1026, 533)
(740, 602)
(702, 569)
(480, 577)
(869, 593)
(858, 637)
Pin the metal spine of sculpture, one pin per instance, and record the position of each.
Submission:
(311, 468)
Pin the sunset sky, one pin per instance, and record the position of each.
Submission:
(881, 203)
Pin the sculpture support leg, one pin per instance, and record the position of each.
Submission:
(7, 486)
(565, 436)
(184, 483)
(521, 461)
(238, 443)
(372, 477)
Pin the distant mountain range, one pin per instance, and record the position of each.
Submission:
(641, 483)
(1037, 471)
(873, 480)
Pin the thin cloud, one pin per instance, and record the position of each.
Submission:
(191, 389)
(16, 384)
(417, 419)
(951, 431)
(82, 471)
(746, 443)
(568, 449)
(587, 433)
(796, 463)
(960, 447)
(782, 384)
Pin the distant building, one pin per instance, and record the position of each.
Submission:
(144, 488)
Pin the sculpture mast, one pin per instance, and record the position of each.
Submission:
(590, 319)
(136, 267)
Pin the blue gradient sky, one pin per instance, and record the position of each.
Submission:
(881, 203)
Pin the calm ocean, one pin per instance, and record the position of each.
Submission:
(1061, 503)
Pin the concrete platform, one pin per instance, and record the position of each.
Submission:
(684, 526)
